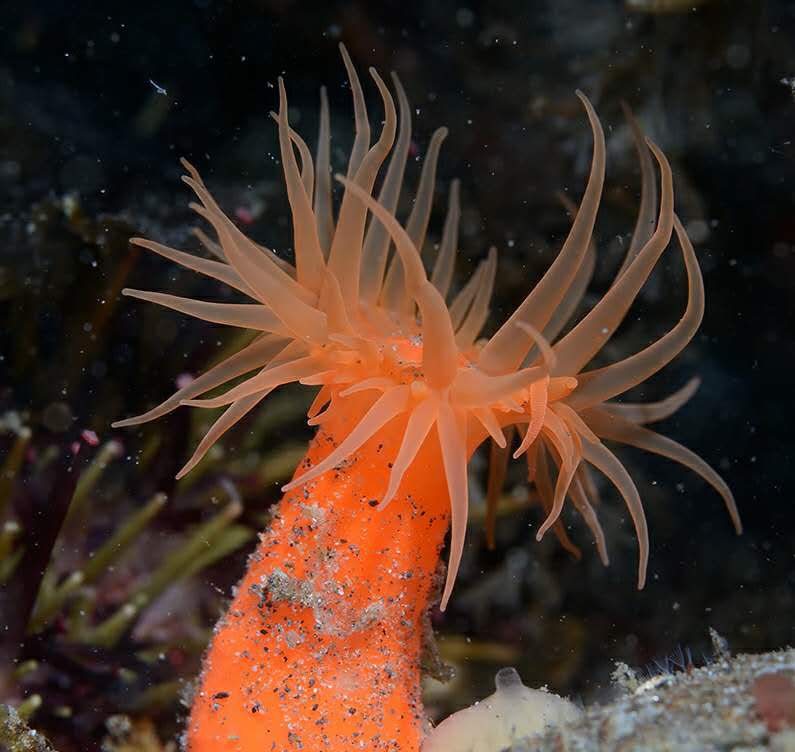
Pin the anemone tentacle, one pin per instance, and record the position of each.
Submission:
(359, 313)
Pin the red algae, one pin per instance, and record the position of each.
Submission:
(774, 695)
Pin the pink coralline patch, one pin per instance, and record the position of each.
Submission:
(775, 699)
(244, 215)
(90, 437)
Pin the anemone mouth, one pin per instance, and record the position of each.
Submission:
(358, 312)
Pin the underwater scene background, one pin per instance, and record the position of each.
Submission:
(97, 104)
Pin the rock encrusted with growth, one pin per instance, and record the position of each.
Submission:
(15, 736)
(715, 707)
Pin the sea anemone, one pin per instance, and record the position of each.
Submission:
(406, 392)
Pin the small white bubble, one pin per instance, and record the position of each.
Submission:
(697, 230)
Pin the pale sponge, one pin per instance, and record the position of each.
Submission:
(511, 713)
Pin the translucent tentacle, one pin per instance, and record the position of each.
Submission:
(345, 257)
(473, 387)
(258, 260)
(651, 412)
(442, 274)
(415, 272)
(463, 300)
(486, 417)
(607, 463)
(479, 311)
(577, 348)
(322, 398)
(258, 265)
(439, 351)
(537, 405)
(416, 225)
(588, 513)
(574, 295)
(387, 407)
(376, 382)
(376, 243)
(215, 269)
(644, 226)
(333, 303)
(309, 261)
(361, 140)
(613, 428)
(589, 485)
(274, 287)
(420, 422)
(232, 415)
(214, 248)
(565, 477)
(243, 315)
(546, 494)
(322, 206)
(304, 320)
(253, 356)
(505, 351)
(307, 166)
(574, 421)
(605, 383)
(540, 342)
(269, 377)
(498, 468)
(558, 434)
(454, 459)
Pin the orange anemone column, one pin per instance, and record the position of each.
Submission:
(320, 648)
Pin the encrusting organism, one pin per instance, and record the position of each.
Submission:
(320, 647)
(513, 712)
